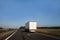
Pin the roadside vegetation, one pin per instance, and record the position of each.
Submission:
(5, 29)
(50, 30)
(5, 32)
(2, 30)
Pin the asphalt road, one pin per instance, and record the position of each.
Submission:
(19, 35)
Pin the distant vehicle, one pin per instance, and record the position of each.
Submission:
(31, 26)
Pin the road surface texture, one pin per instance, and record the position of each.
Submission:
(19, 35)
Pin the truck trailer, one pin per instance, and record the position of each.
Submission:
(31, 26)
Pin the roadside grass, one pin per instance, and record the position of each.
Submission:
(51, 31)
(3, 30)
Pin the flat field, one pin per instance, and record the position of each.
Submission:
(51, 31)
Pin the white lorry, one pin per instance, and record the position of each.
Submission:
(31, 26)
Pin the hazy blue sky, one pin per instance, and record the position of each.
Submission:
(15, 13)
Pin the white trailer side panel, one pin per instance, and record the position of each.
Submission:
(27, 25)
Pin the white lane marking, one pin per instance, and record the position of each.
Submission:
(11, 35)
(49, 36)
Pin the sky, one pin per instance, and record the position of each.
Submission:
(15, 13)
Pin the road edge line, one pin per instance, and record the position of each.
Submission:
(11, 35)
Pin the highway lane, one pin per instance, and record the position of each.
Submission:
(38, 36)
(19, 35)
